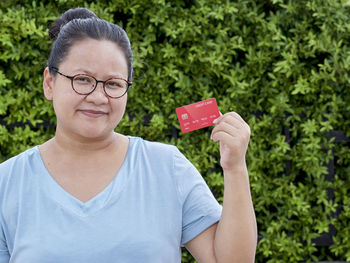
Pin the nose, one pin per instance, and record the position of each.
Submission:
(98, 96)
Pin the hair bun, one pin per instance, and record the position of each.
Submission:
(69, 15)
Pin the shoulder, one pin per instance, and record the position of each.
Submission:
(153, 150)
(161, 158)
(18, 164)
(151, 145)
(162, 155)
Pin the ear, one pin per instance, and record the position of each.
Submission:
(48, 84)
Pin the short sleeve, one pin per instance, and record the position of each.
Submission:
(200, 209)
(4, 254)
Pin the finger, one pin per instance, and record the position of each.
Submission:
(229, 136)
(236, 116)
(223, 137)
(233, 127)
(217, 120)
(233, 114)
(225, 127)
(239, 119)
(231, 120)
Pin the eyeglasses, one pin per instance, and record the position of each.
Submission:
(84, 84)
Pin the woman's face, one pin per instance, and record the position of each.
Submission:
(92, 116)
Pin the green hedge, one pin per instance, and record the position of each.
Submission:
(283, 65)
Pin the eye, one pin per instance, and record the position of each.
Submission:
(115, 84)
(83, 80)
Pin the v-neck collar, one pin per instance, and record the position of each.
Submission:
(110, 193)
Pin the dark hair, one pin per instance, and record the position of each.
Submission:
(78, 24)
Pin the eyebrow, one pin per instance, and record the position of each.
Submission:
(87, 72)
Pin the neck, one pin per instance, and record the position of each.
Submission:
(78, 146)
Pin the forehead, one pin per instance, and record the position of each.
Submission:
(96, 56)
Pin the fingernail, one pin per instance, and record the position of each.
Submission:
(215, 121)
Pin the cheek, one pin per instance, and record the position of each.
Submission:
(121, 103)
(119, 107)
(64, 99)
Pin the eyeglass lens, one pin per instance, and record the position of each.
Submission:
(114, 87)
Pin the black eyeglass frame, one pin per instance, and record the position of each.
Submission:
(96, 80)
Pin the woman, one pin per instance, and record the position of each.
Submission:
(92, 195)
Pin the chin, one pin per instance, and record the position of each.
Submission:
(87, 130)
(94, 134)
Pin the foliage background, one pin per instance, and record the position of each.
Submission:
(282, 65)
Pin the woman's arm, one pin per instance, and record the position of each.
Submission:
(234, 237)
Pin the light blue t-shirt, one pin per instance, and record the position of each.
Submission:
(156, 202)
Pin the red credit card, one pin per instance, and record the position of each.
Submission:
(197, 115)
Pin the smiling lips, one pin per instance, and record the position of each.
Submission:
(93, 113)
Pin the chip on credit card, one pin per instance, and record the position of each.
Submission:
(197, 115)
